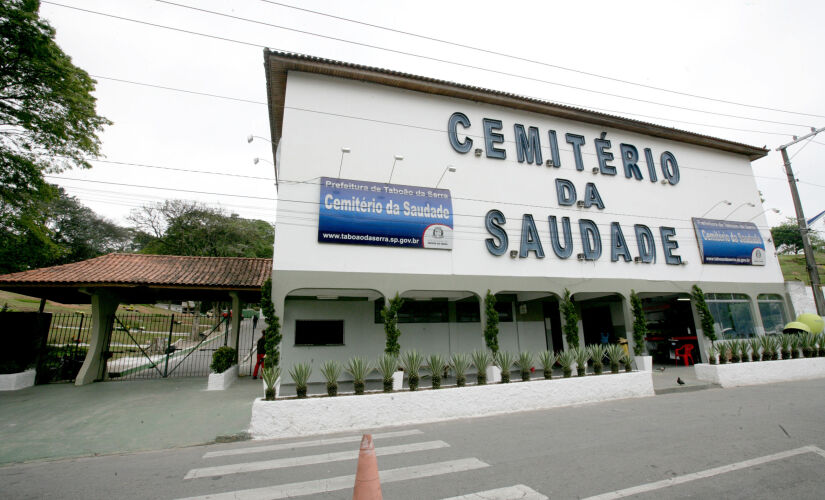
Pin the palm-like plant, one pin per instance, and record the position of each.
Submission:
(769, 348)
(525, 363)
(566, 360)
(387, 366)
(743, 350)
(547, 360)
(795, 345)
(628, 362)
(481, 360)
(411, 361)
(436, 364)
(785, 345)
(358, 368)
(460, 363)
(713, 353)
(724, 349)
(754, 345)
(582, 355)
(615, 354)
(733, 346)
(331, 370)
(300, 373)
(820, 340)
(504, 360)
(270, 375)
(597, 352)
(808, 344)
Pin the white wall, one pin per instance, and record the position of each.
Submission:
(399, 122)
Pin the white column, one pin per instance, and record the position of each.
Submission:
(104, 306)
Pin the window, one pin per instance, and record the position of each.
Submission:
(467, 311)
(772, 311)
(731, 315)
(319, 332)
(424, 311)
(505, 311)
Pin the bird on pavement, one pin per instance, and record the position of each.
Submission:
(661, 369)
(680, 381)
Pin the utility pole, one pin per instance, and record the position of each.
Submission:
(810, 261)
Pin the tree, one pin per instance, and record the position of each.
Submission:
(273, 327)
(491, 325)
(390, 316)
(179, 227)
(571, 320)
(704, 313)
(48, 124)
(787, 238)
(639, 324)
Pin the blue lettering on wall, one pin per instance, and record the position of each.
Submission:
(651, 167)
(530, 238)
(565, 192)
(492, 137)
(604, 156)
(493, 221)
(669, 245)
(670, 169)
(630, 158)
(577, 141)
(456, 119)
(566, 250)
(554, 148)
(645, 243)
(618, 245)
(592, 197)
(591, 240)
(528, 147)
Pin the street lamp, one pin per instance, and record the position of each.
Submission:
(251, 137)
(396, 160)
(726, 202)
(740, 206)
(257, 160)
(343, 152)
(449, 168)
(774, 210)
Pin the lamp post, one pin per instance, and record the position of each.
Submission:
(257, 160)
(740, 206)
(726, 202)
(396, 160)
(449, 168)
(343, 152)
(251, 138)
(774, 210)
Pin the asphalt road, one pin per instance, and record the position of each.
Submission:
(756, 442)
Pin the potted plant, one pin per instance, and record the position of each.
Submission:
(435, 365)
(525, 363)
(387, 366)
(272, 332)
(547, 360)
(358, 368)
(581, 355)
(271, 376)
(795, 344)
(643, 360)
(628, 362)
(808, 344)
(460, 362)
(615, 354)
(566, 360)
(820, 340)
(724, 350)
(754, 345)
(785, 346)
(504, 360)
(713, 352)
(224, 368)
(743, 351)
(597, 352)
(734, 351)
(481, 360)
(390, 316)
(698, 297)
(491, 323)
(300, 373)
(331, 370)
(411, 361)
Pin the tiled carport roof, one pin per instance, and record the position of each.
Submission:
(139, 276)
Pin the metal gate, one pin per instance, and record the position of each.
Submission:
(145, 346)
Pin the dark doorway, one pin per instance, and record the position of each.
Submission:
(598, 325)
(552, 325)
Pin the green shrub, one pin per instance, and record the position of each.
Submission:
(270, 374)
(223, 358)
(300, 373)
(705, 315)
(481, 360)
(615, 355)
(547, 360)
(597, 352)
(566, 360)
(331, 370)
(571, 319)
(491, 325)
(390, 317)
(582, 355)
(639, 324)
(358, 368)
(411, 361)
(505, 360)
(460, 362)
(387, 365)
(436, 364)
(525, 362)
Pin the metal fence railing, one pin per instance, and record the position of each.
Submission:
(65, 349)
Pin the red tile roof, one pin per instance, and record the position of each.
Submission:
(119, 269)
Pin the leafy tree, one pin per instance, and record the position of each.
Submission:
(704, 313)
(48, 124)
(179, 227)
(787, 238)
(390, 316)
(639, 324)
(273, 327)
(491, 326)
(571, 320)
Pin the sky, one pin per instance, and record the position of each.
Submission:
(746, 71)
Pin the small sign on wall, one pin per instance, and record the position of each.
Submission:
(729, 242)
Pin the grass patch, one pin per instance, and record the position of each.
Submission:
(793, 267)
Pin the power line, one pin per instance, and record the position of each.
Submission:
(182, 169)
(533, 61)
(162, 188)
(504, 73)
(239, 99)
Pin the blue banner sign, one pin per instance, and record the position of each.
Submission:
(729, 242)
(371, 213)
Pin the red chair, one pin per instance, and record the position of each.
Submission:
(685, 353)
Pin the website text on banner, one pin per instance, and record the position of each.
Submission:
(371, 213)
(729, 242)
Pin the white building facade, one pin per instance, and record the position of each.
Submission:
(496, 192)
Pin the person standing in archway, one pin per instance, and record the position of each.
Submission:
(261, 354)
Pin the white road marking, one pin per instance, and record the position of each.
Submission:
(666, 483)
(280, 463)
(517, 492)
(308, 444)
(346, 482)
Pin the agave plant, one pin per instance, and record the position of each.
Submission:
(733, 346)
(808, 344)
(481, 360)
(505, 360)
(582, 355)
(615, 354)
(460, 362)
(820, 340)
(300, 373)
(525, 363)
(566, 360)
(795, 345)
(743, 351)
(754, 345)
(713, 353)
(436, 364)
(785, 345)
(358, 368)
(547, 359)
(270, 376)
(628, 362)
(724, 349)
(387, 365)
(597, 352)
(331, 370)
(411, 361)
(769, 348)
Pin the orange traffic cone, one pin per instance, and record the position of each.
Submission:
(367, 484)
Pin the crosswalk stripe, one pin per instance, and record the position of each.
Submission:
(519, 491)
(280, 463)
(345, 482)
(308, 444)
